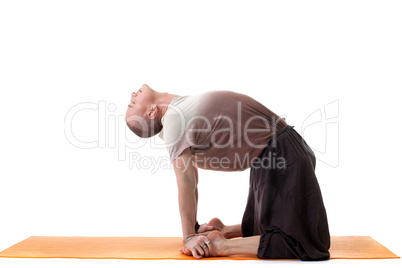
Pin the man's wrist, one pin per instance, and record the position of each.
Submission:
(188, 238)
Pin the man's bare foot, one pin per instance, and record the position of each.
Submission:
(217, 224)
(218, 244)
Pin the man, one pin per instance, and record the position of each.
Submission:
(222, 130)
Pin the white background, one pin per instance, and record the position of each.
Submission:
(295, 57)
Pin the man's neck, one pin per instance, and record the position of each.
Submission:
(163, 100)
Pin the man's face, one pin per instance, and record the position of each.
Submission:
(140, 102)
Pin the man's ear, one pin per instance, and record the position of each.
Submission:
(153, 112)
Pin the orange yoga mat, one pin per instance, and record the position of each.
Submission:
(155, 248)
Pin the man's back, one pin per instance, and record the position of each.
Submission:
(224, 130)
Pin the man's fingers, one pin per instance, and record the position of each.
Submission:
(185, 251)
(209, 228)
(199, 253)
(205, 228)
(199, 247)
(206, 246)
(206, 250)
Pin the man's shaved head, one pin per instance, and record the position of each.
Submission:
(144, 127)
(143, 116)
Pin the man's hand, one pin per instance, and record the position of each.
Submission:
(214, 224)
(198, 246)
(205, 227)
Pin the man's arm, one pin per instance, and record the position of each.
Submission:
(196, 191)
(187, 189)
(186, 175)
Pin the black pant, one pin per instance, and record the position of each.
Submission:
(285, 205)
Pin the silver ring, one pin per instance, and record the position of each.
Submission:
(208, 242)
(204, 246)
